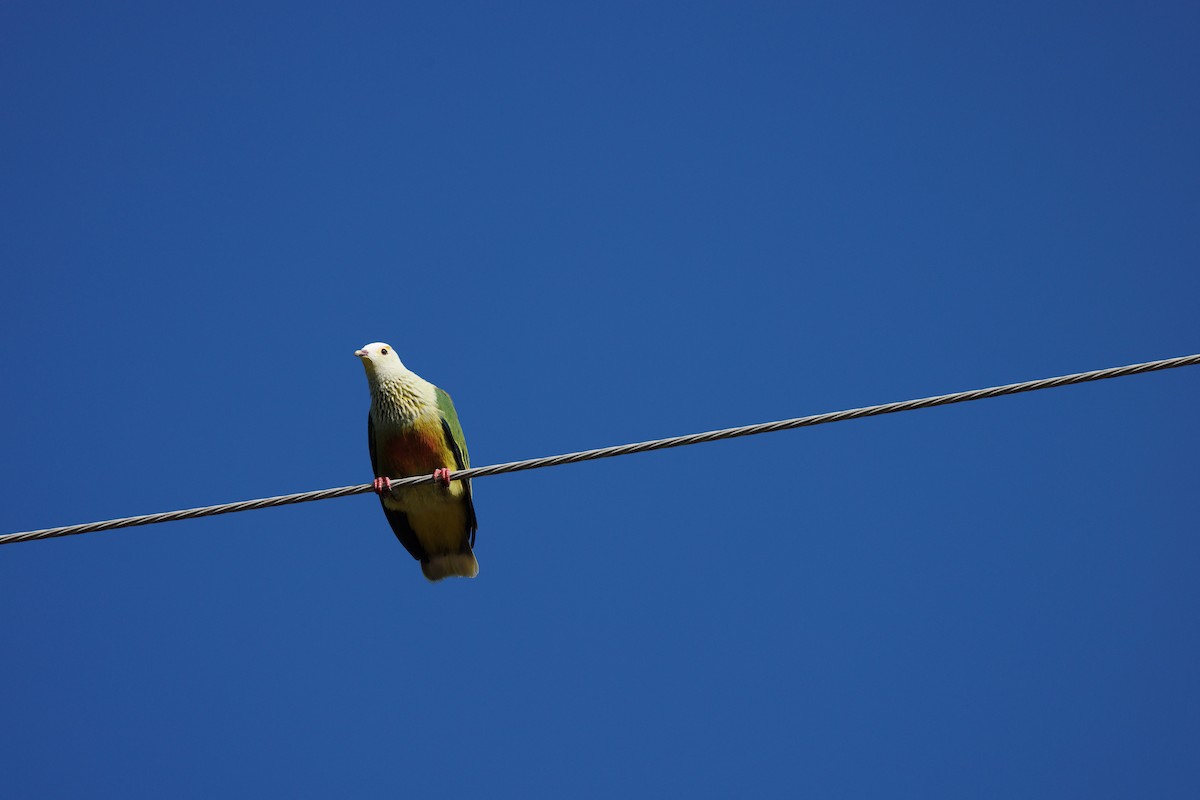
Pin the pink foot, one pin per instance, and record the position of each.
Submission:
(382, 486)
(442, 476)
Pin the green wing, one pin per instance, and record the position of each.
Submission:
(453, 432)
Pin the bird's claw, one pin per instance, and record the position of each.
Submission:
(382, 486)
(442, 476)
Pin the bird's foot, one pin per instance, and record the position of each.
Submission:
(382, 486)
(442, 476)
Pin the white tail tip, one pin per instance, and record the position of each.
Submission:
(450, 565)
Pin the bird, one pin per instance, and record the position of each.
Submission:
(413, 429)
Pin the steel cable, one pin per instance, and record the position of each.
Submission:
(617, 450)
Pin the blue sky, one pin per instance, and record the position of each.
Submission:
(597, 223)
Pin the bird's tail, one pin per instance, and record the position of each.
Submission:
(448, 565)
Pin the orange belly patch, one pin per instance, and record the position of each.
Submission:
(414, 452)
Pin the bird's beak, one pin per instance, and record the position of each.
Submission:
(360, 353)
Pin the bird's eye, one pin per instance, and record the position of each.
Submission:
(383, 351)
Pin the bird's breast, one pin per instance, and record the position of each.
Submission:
(416, 451)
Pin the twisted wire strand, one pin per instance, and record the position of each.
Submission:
(617, 450)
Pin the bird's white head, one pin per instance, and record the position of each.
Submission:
(380, 360)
